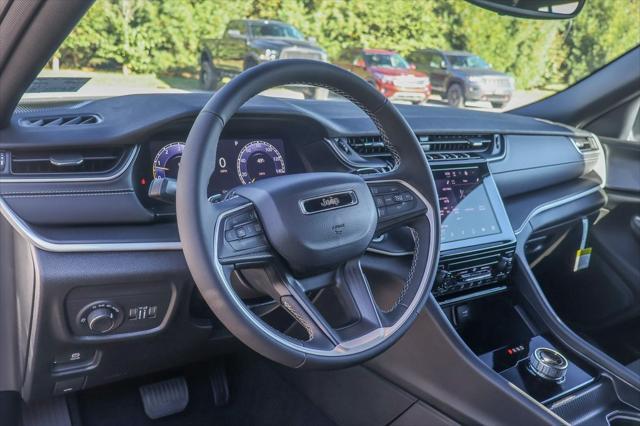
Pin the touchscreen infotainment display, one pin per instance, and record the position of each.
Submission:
(465, 209)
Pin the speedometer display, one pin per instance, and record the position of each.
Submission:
(258, 160)
(167, 161)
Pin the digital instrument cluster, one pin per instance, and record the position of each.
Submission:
(238, 162)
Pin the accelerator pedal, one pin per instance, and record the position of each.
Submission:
(165, 398)
(219, 384)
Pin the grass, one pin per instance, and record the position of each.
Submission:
(182, 83)
(115, 83)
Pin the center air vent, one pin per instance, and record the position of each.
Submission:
(456, 143)
(88, 161)
(436, 147)
(57, 121)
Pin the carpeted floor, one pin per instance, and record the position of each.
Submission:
(259, 396)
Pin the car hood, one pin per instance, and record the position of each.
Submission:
(479, 72)
(281, 43)
(397, 71)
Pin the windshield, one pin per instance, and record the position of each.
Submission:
(386, 60)
(123, 47)
(467, 61)
(275, 30)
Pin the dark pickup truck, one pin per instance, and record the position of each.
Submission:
(462, 76)
(246, 43)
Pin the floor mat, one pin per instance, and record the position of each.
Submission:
(259, 396)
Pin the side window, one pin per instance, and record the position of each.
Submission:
(435, 60)
(417, 58)
(235, 29)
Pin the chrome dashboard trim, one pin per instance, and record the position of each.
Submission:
(553, 204)
(133, 154)
(25, 230)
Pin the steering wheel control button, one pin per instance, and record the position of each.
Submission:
(548, 364)
(392, 200)
(243, 226)
(240, 232)
(101, 317)
(243, 233)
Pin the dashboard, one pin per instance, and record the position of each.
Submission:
(97, 235)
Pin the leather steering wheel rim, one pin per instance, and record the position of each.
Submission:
(202, 225)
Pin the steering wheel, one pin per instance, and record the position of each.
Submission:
(302, 232)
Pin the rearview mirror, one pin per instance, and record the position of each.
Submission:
(533, 9)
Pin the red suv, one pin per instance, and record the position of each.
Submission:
(392, 75)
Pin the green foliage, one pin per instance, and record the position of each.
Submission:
(164, 36)
(599, 34)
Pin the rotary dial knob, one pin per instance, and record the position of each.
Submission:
(548, 364)
(101, 320)
(100, 317)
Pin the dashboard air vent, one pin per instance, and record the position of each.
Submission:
(585, 144)
(456, 143)
(367, 145)
(436, 147)
(88, 161)
(57, 121)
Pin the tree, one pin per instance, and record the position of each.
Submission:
(164, 36)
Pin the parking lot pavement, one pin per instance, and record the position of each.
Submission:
(520, 98)
(99, 85)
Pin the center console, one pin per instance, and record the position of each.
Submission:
(478, 289)
(478, 243)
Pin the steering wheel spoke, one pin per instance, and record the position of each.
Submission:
(276, 281)
(397, 203)
(357, 298)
